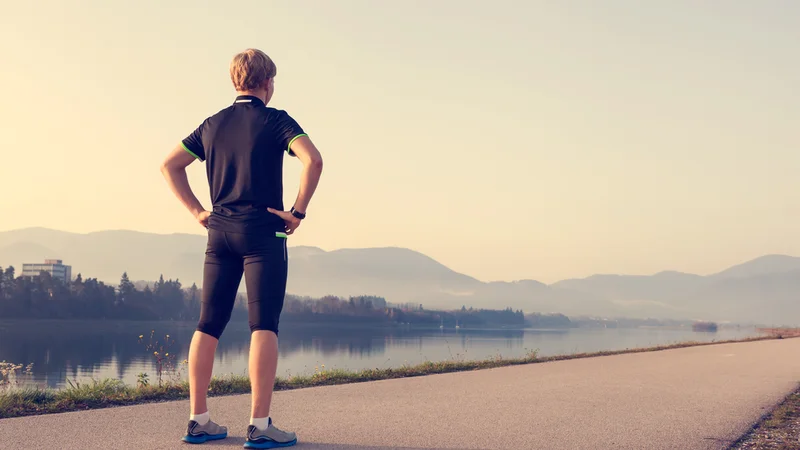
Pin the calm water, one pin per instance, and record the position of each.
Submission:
(78, 350)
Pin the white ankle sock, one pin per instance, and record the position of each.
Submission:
(260, 423)
(201, 419)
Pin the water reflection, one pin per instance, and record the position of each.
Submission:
(81, 350)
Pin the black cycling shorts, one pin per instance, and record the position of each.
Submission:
(263, 259)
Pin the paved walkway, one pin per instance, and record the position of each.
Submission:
(692, 398)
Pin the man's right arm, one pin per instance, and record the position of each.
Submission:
(174, 170)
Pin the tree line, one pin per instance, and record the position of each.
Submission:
(45, 297)
(51, 298)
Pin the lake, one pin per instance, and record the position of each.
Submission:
(83, 350)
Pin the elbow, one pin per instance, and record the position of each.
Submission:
(168, 168)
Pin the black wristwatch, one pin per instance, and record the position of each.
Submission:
(297, 214)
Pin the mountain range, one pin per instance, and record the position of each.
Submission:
(764, 290)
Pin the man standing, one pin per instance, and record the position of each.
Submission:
(243, 147)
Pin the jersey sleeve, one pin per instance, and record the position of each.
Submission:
(288, 130)
(194, 143)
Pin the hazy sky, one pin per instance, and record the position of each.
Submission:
(505, 139)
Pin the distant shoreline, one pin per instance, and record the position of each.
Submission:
(284, 324)
(290, 321)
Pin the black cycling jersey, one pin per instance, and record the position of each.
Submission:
(243, 147)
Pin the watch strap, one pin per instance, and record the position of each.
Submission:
(297, 214)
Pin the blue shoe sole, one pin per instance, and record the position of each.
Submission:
(271, 444)
(189, 439)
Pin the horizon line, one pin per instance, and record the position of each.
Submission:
(420, 253)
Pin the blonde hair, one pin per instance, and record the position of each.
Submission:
(250, 69)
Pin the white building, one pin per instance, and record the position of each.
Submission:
(54, 267)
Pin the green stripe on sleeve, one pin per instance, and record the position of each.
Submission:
(187, 149)
(281, 235)
(289, 147)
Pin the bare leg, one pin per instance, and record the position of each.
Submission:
(263, 365)
(201, 362)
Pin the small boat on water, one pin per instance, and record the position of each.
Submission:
(710, 327)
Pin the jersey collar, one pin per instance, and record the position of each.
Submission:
(249, 99)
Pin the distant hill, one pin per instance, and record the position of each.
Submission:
(398, 273)
(26, 251)
(672, 290)
(765, 265)
(106, 254)
(764, 290)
